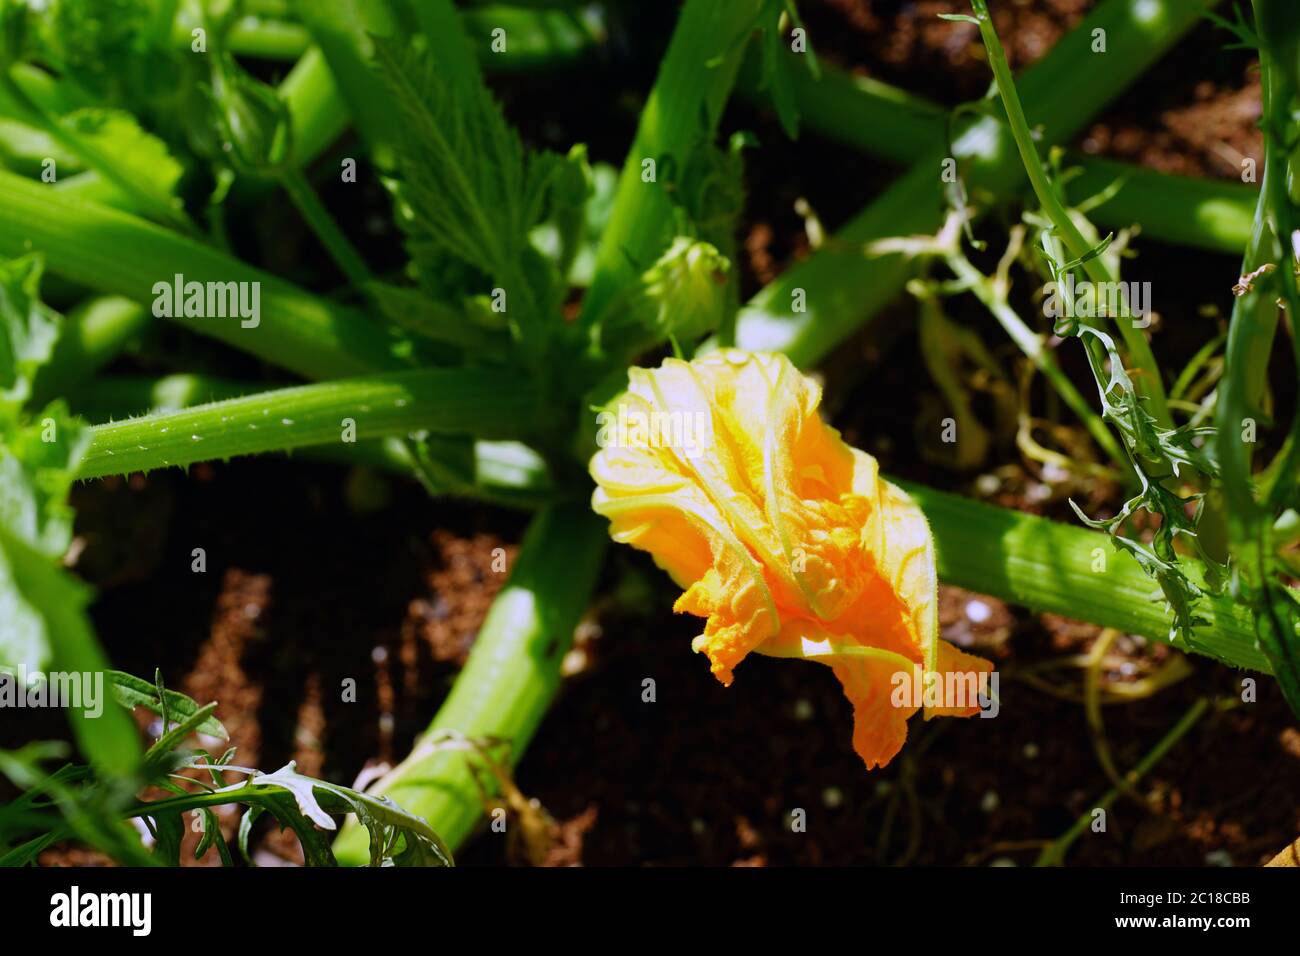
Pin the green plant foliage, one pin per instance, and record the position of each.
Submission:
(471, 362)
(469, 193)
(80, 801)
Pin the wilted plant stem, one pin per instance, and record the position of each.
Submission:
(1054, 853)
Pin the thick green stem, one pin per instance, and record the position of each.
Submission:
(1249, 523)
(316, 114)
(109, 399)
(680, 115)
(889, 123)
(447, 401)
(93, 334)
(92, 187)
(342, 31)
(504, 473)
(113, 252)
(536, 39)
(510, 679)
(1067, 570)
(1178, 209)
(259, 38)
(841, 289)
(162, 208)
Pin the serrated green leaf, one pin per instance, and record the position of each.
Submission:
(28, 329)
(37, 462)
(469, 193)
(314, 800)
(212, 837)
(474, 190)
(245, 829)
(136, 152)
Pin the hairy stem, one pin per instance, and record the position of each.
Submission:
(448, 401)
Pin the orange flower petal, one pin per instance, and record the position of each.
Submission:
(785, 539)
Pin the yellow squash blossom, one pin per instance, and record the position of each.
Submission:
(784, 538)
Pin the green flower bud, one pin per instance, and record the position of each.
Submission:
(687, 289)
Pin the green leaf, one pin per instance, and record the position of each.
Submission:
(385, 821)
(315, 846)
(212, 837)
(600, 206)
(102, 46)
(344, 31)
(174, 736)
(28, 329)
(467, 178)
(50, 606)
(468, 192)
(562, 233)
(36, 469)
(168, 832)
(131, 691)
(775, 64)
(417, 312)
(1088, 256)
(245, 829)
(135, 152)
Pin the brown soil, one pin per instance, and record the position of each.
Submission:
(304, 588)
